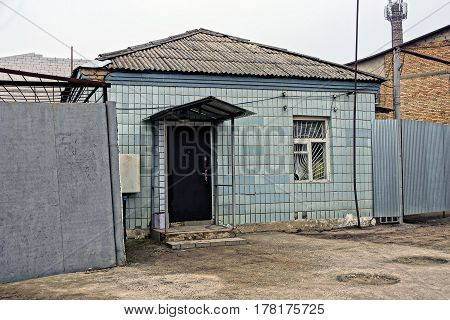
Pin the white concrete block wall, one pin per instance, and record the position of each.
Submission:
(266, 190)
(32, 62)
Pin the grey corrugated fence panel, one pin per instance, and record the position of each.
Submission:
(386, 172)
(426, 162)
(424, 167)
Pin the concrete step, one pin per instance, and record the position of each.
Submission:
(190, 244)
(192, 233)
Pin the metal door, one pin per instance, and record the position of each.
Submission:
(189, 173)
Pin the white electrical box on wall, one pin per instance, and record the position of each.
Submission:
(129, 169)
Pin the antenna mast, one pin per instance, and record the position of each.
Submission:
(395, 12)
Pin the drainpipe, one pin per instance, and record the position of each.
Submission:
(124, 216)
(233, 203)
(152, 172)
(166, 189)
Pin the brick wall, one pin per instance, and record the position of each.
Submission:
(424, 83)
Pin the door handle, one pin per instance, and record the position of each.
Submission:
(205, 175)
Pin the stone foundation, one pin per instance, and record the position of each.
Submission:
(306, 225)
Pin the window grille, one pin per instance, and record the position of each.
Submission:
(310, 150)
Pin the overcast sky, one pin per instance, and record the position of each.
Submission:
(321, 28)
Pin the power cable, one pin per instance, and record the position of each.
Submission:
(41, 28)
(355, 191)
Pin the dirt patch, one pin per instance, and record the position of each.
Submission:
(273, 265)
(368, 278)
(433, 234)
(186, 284)
(420, 260)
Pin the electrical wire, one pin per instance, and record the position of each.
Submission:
(41, 28)
(355, 191)
(309, 98)
(266, 99)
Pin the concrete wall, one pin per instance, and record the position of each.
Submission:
(33, 62)
(374, 66)
(59, 189)
(266, 190)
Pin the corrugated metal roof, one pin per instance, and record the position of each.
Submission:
(204, 51)
(206, 109)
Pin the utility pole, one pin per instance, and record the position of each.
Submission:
(71, 60)
(395, 12)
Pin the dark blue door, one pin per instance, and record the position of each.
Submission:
(189, 173)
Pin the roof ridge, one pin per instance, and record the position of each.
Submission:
(155, 43)
(219, 34)
(148, 45)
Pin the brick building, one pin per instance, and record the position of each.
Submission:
(424, 83)
(33, 62)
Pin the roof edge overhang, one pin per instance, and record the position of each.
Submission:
(209, 109)
(377, 79)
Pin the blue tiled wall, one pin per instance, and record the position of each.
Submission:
(265, 185)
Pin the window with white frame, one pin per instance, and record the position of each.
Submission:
(310, 149)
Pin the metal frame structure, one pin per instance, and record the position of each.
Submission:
(208, 111)
(23, 86)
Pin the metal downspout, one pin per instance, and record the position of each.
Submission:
(152, 173)
(166, 214)
(233, 191)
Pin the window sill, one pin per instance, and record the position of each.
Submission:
(312, 181)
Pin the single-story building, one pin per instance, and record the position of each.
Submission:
(201, 114)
